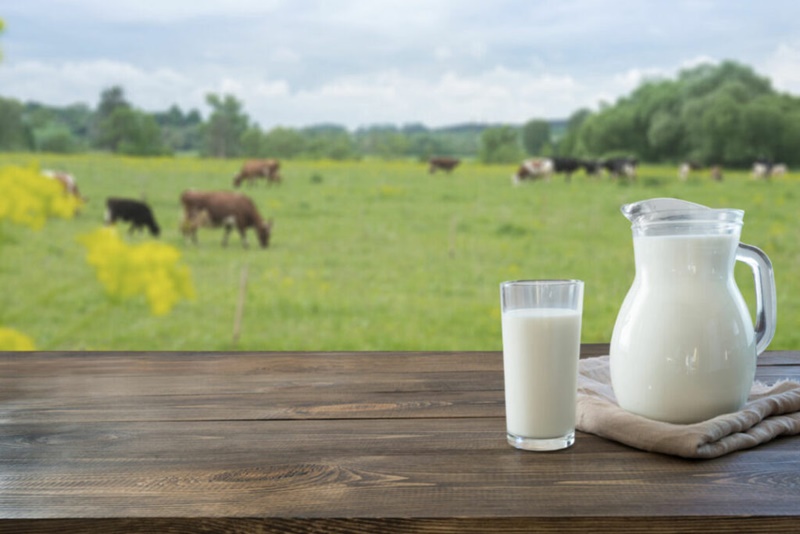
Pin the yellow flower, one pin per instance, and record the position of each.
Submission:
(150, 269)
(12, 340)
(30, 198)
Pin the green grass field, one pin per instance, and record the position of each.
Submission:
(367, 255)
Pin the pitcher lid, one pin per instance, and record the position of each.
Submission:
(673, 210)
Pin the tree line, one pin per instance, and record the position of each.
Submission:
(115, 125)
(723, 114)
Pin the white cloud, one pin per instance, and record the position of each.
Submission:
(168, 11)
(629, 80)
(359, 62)
(697, 61)
(497, 95)
(782, 68)
(442, 53)
(278, 88)
(70, 82)
(283, 54)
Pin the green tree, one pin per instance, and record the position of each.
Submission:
(500, 144)
(76, 117)
(15, 134)
(111, 99)
(706, 79)
(535, 135)
(611, 131)
(225, 127)
(132, 132)
(424, 145)
(61, 130)
(785, 148)
(56, 137)
(665, 136)
(284, 143)
(712, 114)
(142, 135)
(106, 133)
(571, 143)
(328, 141)
(180, 131)
(252, 142)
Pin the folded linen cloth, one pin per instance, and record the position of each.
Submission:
(771, 411)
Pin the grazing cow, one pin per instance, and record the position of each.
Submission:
(685, 169)
(765, 168)
(617, 167)
(566, 166)
(133, 211)
(590, 167)
(779, 169)
(762, 168)
(258, 168)
(442, 164)
(67, 181)
(545, 167)
(533, 169)
(226, 209)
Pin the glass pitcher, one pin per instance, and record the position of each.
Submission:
(684, 345)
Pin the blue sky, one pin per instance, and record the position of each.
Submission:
(359, 62)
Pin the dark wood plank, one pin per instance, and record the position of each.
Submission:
(523, 525)
(186, 387)
(53, 387)
(369, 468)
(333, 442)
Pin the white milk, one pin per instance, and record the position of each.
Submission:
(540, 362)
(683, 348)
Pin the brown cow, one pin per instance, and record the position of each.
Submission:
(226, 209)
(442, 164)
(258, 168)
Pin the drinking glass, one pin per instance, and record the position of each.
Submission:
(541, 326)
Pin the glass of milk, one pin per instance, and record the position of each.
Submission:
(541, 323)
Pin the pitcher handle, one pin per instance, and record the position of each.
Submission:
(766, 300)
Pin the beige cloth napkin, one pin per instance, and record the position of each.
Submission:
(771, 411)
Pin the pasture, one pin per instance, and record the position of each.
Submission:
(367, 255)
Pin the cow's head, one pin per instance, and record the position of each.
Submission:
(264, 231)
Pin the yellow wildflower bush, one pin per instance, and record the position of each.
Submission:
(30, 198)
(13, 340)
(151, 269)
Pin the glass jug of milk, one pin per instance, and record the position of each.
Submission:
(684, 346)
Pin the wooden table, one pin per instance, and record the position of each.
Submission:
(341, 442)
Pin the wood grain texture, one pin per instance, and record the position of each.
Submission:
(341, 442)
(578, 525)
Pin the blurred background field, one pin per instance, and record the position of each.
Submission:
(365, 255)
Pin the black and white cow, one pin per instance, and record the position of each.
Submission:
(617, 167)
(766, 168)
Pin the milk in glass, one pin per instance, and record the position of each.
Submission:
(540, 361)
